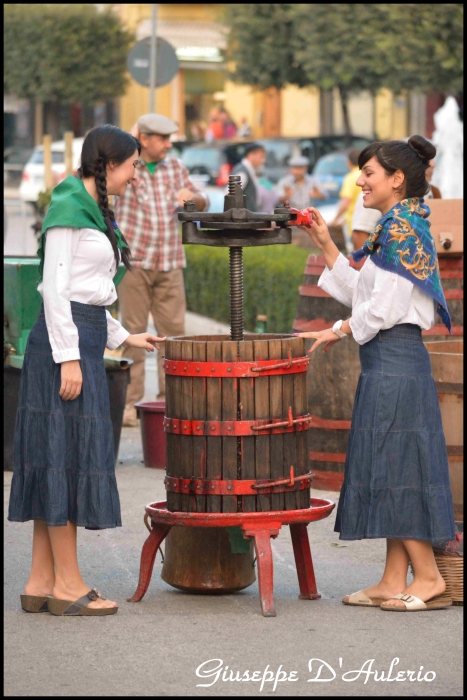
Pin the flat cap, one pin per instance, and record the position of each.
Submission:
(299, 162)
(156, 124)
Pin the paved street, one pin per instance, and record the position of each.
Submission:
(154, 647)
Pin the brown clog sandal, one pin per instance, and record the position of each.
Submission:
(34, 603)
(79, 607)
(414, 604)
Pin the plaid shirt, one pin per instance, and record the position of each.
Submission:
(146, 215)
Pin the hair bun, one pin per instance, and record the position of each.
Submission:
(422, 147)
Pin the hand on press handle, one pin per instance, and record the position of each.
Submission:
(318, 231)
(144, 340)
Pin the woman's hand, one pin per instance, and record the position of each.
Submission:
(72, 380)
(326, 338)
(143, 340)
(318, 231)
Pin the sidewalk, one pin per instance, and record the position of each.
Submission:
(154, 647)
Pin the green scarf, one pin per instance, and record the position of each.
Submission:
(72, 206)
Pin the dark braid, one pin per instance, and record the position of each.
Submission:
(103, 145)
(100, 176)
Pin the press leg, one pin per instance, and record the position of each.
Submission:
(304, 562)
(262, 540)
(148, 556)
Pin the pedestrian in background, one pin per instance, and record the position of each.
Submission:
(244, 130)
(215, 127)
(64, 474)
(433, 192)
(249, 168)
(364, 222)
(147, 217)
(298, 187)
(229, 128)
(348, 195)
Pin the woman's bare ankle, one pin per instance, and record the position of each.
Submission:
(39, 586)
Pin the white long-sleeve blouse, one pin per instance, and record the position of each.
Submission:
(379, 299)
(79, 265)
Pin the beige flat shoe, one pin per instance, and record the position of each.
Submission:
(360, 598)
(414, 604)
(79, 607)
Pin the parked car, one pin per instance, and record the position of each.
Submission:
(329, 173)
(33, 179)
(217, 159)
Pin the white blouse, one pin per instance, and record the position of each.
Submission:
(379, 299)
(79, 265)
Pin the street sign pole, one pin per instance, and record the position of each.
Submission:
(152, 62)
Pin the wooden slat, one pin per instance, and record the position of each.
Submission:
(247, 412)
(169, 438)
(186, 441)
(213, 412)
(300, 407)
(276, 441)
(229, 412)
(290, 453)
(174, 348)
(199, 413)
(262, 446)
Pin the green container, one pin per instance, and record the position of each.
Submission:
(22, 301)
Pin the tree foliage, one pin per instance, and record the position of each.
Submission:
(64, 53)
(351, 47)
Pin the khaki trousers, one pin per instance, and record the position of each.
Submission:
(163, 295)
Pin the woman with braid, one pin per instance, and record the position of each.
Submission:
(64, 474)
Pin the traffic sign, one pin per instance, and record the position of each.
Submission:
(166, 62)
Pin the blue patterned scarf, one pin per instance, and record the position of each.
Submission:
(402, 243)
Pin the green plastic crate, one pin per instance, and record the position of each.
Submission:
(22, 301)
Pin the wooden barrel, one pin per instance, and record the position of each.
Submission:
(200, 560)
(448, 372)
(236, 422)
(332, 378)
(452, 278)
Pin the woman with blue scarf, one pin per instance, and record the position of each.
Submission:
(64, 474)
(396, 482)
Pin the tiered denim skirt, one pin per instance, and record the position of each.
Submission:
(396, 481)
(64, 450)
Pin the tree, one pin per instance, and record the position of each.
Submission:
(64, 53)
(351, 47)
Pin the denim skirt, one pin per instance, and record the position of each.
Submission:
(64, 462)
(396, 480)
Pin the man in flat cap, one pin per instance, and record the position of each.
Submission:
(147, 216)
(299, 188)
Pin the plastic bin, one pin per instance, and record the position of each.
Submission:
(151, 415)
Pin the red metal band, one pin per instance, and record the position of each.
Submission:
(327, 457)
(440, 329)
(453, 293)
(234, 487)
(238, 428)
(328, 424)
(183, 368)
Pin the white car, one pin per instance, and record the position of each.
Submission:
(32, 179)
